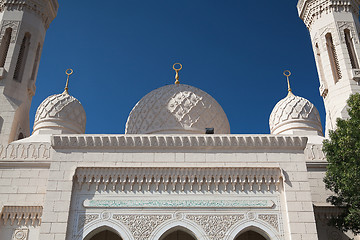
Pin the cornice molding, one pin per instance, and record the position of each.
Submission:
(309, 10)
(19, 213)
(190, 179)
(234, 142)
(46, 9)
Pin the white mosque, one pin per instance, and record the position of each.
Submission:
(177, 173)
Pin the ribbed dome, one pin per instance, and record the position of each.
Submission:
(177, 108)
(294, 113)
(60, 112)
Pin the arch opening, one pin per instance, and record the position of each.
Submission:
(178, 234)
(103, 233)
(251, 235)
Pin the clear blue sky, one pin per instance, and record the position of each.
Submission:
(234, 50)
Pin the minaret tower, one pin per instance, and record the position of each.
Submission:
(334, 29)
(22, 33)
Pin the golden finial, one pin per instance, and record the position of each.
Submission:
(68, 72)
(287, 74)
(177, 72)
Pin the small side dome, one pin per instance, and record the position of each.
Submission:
(60, 112)
(294, 114)
(177, 108)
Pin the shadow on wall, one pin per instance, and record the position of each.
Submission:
(1, 123)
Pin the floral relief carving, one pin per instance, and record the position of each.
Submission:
(141, 225)
(216, 226)
(85, 219)
(272, 219)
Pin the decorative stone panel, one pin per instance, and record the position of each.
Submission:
(32, 151)
(313, 152)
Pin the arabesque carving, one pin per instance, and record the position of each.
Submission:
(141, 226)
(85, 219)
(216, 226)
(271, 219)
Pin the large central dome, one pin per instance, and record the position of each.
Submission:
(177, 108)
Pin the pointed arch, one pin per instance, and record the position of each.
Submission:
(186, 226)
(92, 229)
(257, 227)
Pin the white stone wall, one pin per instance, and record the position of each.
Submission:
(321, 18)
(16, 96)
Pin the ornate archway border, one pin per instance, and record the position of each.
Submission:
(196, 230)
(254, 226)
(120, 229)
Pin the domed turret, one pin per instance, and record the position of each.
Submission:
(294, 114)
(61, 112)
(177, 108)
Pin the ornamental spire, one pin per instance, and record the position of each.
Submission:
(177, 72)
(68, 72)
(287, 74)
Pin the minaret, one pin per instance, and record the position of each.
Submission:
(22, 33)
(334, 30)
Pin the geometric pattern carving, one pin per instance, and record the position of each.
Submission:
(294, 110)
(85, 219)
(177, 108)
(181, 179)
(19, 213)
(216, 226)
(272, 219)
(178, 142)
(61, 110)
(141, 226)
(14, 25)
